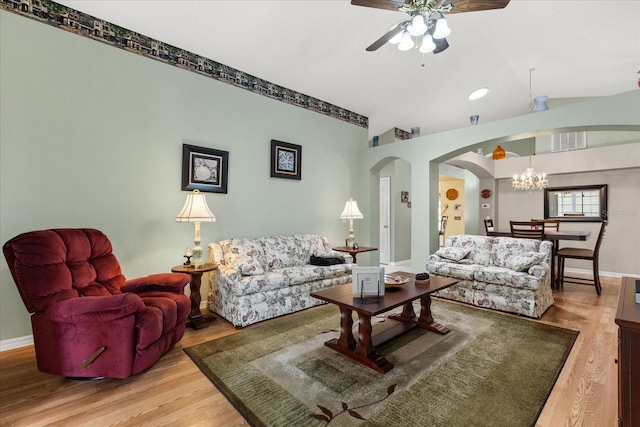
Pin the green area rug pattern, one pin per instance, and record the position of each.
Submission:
(490, 370)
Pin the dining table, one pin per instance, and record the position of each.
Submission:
(554, 236)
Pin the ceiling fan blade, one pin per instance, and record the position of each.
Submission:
(380, 4)
(460, 6)
(388, 36)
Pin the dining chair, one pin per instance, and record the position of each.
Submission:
(582, 254)
(488, 226)
(527, 229)
(443, 228)
(549, 224)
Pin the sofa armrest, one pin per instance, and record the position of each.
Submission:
(540, 270)
(95, 309)
(166, 282)
(230, 274)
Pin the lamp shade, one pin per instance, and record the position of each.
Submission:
(351, 210)
(195, 209)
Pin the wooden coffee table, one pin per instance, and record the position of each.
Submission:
(363, 349)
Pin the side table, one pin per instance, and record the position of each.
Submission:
(354, 252)
(197, 320)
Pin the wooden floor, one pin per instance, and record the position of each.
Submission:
(175, 393)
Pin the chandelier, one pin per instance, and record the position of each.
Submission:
(427, 21)
(530, 180)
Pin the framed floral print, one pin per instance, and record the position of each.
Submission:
(204, 169)
(286, 160)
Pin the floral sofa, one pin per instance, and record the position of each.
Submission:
(501, 273)
(258, 279)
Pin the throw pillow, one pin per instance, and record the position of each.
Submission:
(525, 261)
(454, 254)
(325, 261)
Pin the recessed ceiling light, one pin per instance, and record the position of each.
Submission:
(477, 94)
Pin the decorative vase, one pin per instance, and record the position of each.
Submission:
(474, 119)
(540, 103)
(376, 141)
(499, 153)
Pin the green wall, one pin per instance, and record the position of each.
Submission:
(91, 136)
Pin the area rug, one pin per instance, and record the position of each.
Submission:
(490, 370)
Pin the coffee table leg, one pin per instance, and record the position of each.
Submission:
(407, 311)
(425, 321)
(365, 345)
(346, 339)
(362, 351)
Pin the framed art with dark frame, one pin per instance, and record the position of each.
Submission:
(205, 169)
(286, 160)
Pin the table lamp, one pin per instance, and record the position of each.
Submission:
(195, 210)
(351, 212)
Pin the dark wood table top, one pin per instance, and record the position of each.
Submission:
(549, 234)
(393, 297)
(355, 251)
(191, 269)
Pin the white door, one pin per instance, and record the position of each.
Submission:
(385, 224)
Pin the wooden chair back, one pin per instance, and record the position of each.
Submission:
(596, 248)
(527, 229)
(488, 225)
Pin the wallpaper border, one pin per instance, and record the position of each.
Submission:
(57, 15)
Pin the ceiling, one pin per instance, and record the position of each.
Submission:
(579, 48)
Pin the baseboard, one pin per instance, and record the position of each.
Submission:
(12, 343)
(602, 273)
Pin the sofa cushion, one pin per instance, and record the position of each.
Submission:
(507, 277)
(246, 254)
(525, 261)
(479, 247)
(302, 274)
(455, 270)
(260, 283)
(309, 244)
(453, 253)
(506, 248)
(283, 251)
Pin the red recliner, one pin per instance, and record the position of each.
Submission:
(88, 320)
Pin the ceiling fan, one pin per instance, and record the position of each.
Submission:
(427, 21)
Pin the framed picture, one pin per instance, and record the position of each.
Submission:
(367, 281)
(205, 169)
(286, 160)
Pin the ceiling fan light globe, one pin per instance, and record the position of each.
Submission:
(427, 44)
(406, 43)
(442, 30)
(417, 26)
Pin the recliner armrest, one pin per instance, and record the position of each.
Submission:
(166, 282)
(98, 309)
